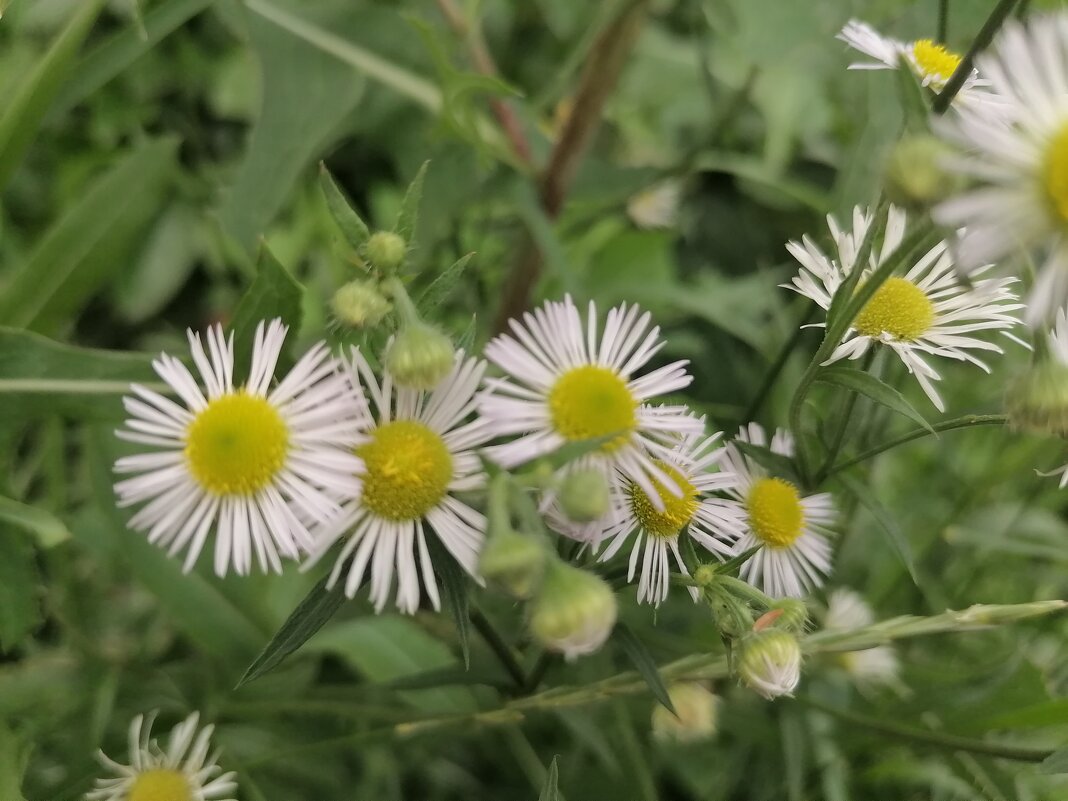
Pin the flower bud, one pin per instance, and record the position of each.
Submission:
(584, 495)
(771, 662)
(793, 614)
(573, 612)
(695, 714)
(513, 561)
(386, 250)
(914, 173)
(419, 356)
(1038, 400)
(359, 304)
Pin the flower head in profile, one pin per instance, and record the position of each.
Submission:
(927, 312)
(770, 662)
(254, 463)
(846, 611)
(790, 530)
(569, 379)
(1016, 155)
(418, 451)
(712, 523)
(183, 771)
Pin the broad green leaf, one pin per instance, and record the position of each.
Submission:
(43, 525)
(25, 111)
(886, 523)
(443, 286)
(352, 227)
(273, 293)
(872, 388)
(1057, 762)
(39, 377)
(310, 615)
(90, 242)
(550, 791)
(643, 661)
(14, 754)
(408, 218)
(19, 611)
(454, 590)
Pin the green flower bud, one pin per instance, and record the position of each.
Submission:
(771, 662)
(705, 574)
(573, 611)
(584, 495)
(359, 304)
(793, 614)
(419, 356)
(914, 172)
(386, 250)
(1038, 400)
(513, 561)
(695, 720)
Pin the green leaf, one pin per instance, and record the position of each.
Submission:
(894, 536)
(87, 245)
(352, 227)
(39, 377)
(454, 589)
(408, 217)
(273, 293)
(442, 286)
(43, 525)
(872, 388)
(911, 95)
(19, 612)
(734, 564)
(14, 755)
(311, 614)
(21, 119)
(569, 452)
(1057, 762)
(550, 791)
(643, 660)
(775, 463)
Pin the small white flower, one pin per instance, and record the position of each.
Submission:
(927, 311)
(419, 451)
(183, 772)
(567, 384)
(656, 206)
(255, 463)
(790, 530)
(771, 662)
(846, 611)
(713, 523)
(1017, 155)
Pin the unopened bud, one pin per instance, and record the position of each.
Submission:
(793, 614)
(695, 714)
(771, 662)
(513, 561)
(915, 175)
(705, 575)
(1038, 400)
(419, 356)
(584, 496)
(386, 250)
(359, 304)
(573, 612)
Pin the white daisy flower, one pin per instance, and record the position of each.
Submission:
(847, 611)
(255, 464)
(926, 312)
(1017, 154)
(184, 771)
(566, 384)
(713, 523)
(656, 206)
(418, 453)
(790, 530)
(931, 62)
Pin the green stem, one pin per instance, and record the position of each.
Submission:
(777, 366)
(968, 421)
(406, 310)
(744, 590)
(843, 424)
(964, 69)
(537, 673)
(936, 739)
(499, 647)
(943, 20)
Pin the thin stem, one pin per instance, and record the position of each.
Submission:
(499, 647)
(943, 20)
(936, 739)
(843, 423)
(744, 590)
(964, 69)
(402, 302)
(968, 421)
(777, 366)
(537, 673)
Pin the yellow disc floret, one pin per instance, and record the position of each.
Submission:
(160, 785)
(1056, 173)
(407, 470)
(590, 401)
(934, 60)
(898, 308)
(775, 513)
(236, 445)
(678, 509)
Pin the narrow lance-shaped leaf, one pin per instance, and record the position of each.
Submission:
(550, 791)
(886, 523)
(871, 387)
(348, 221)
(408, 217)
(46, 528)
(454, 588)
(643, 661)
(19, 611)
(443, 286)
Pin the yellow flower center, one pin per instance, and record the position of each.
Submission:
(236, 445)
(775, 513)
(677, 509)
(160, 785)
(933, 60)
(1056, 177)
(899, 308)
(408, 470)
(589, 401)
